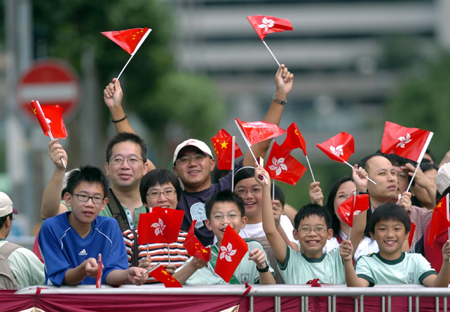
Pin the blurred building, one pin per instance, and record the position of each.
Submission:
(339, 52)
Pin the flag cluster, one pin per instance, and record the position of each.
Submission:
(161, 225)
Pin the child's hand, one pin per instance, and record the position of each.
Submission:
(346, 250)
(257, 256)
(315, 193)
(91, 267)
(146, 262)
(171, 268)
(446, 251)
(137, 275)
(260, 173)
(198, 263)
(277, 211)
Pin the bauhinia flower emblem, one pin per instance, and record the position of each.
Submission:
(227, 252)
(338, 150)
(278, 165)
(159, 227)
(404, 140)
(266, 24)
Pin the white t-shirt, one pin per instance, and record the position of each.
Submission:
(256, 230)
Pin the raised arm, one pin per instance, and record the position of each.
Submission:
(277, 243)
(359, 221)
(283, 81)
(51, 199)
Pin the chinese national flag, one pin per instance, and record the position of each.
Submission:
(338, 148)
(127, 39)
(264, 25)
(294, 139)
(257, 131)
(222, 143)
(439, 221)
(282, 166)
(411, 234)
(409, 143)
(50, 119)
(164, 277)
(232, 250)
(98, 282)
(194, 247)
(162, 225)
(352, 207)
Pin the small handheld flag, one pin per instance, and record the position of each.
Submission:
(194, 247)
(130, 40)
(282, 166)
(98, 282)
(222, 143)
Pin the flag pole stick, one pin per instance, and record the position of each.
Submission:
(424, 149)
(349, 233)
(446, 202)
(355, 169)
(135, 50)
(233, 142)
(310, 169)
(248, 145)
(52, 138)
(271, 53)
(168, 252)
(273, 190)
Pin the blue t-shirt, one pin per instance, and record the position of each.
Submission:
(62, 248)
(193, 205)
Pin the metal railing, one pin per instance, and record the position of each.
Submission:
(332, 292)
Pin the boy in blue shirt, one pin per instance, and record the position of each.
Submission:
(71, 242)
(389, 225)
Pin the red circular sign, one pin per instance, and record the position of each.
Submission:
(50, 83)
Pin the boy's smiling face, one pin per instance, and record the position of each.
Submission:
(222, 214)
(312, 234)
(390, 236)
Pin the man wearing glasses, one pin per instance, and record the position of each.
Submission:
(193, 161)
(126, 164)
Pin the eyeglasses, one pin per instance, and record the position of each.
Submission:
(118, 160)
(307, 229)
(186, 159)
(85, 198)
(156, 194)
(230, 216)
(242, 192)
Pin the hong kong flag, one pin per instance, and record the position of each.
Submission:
(194, 247)
(439, 219)
(282, 166)
(410, 143)
(161, 274)
(338, 148)
(162, 225)
(231, 252)
(294, 139)
(50, 119)
(264, 25)
(352, 207)
(130, 39)
(257, 131)
(222, 144)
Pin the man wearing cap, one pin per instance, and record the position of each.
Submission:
(26, 267)
(193, 161)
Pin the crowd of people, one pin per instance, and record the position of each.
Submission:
(91, 228)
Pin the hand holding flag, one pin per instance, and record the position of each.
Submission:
(161, 274)
(98, 282)
(130, 40)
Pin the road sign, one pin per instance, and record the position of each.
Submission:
(50, 82)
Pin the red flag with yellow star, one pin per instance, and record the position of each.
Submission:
(222, 143)
(294, 139)
(439, 220)
(50, 118)
(194, 247)
(165, 277)
(127, 39)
